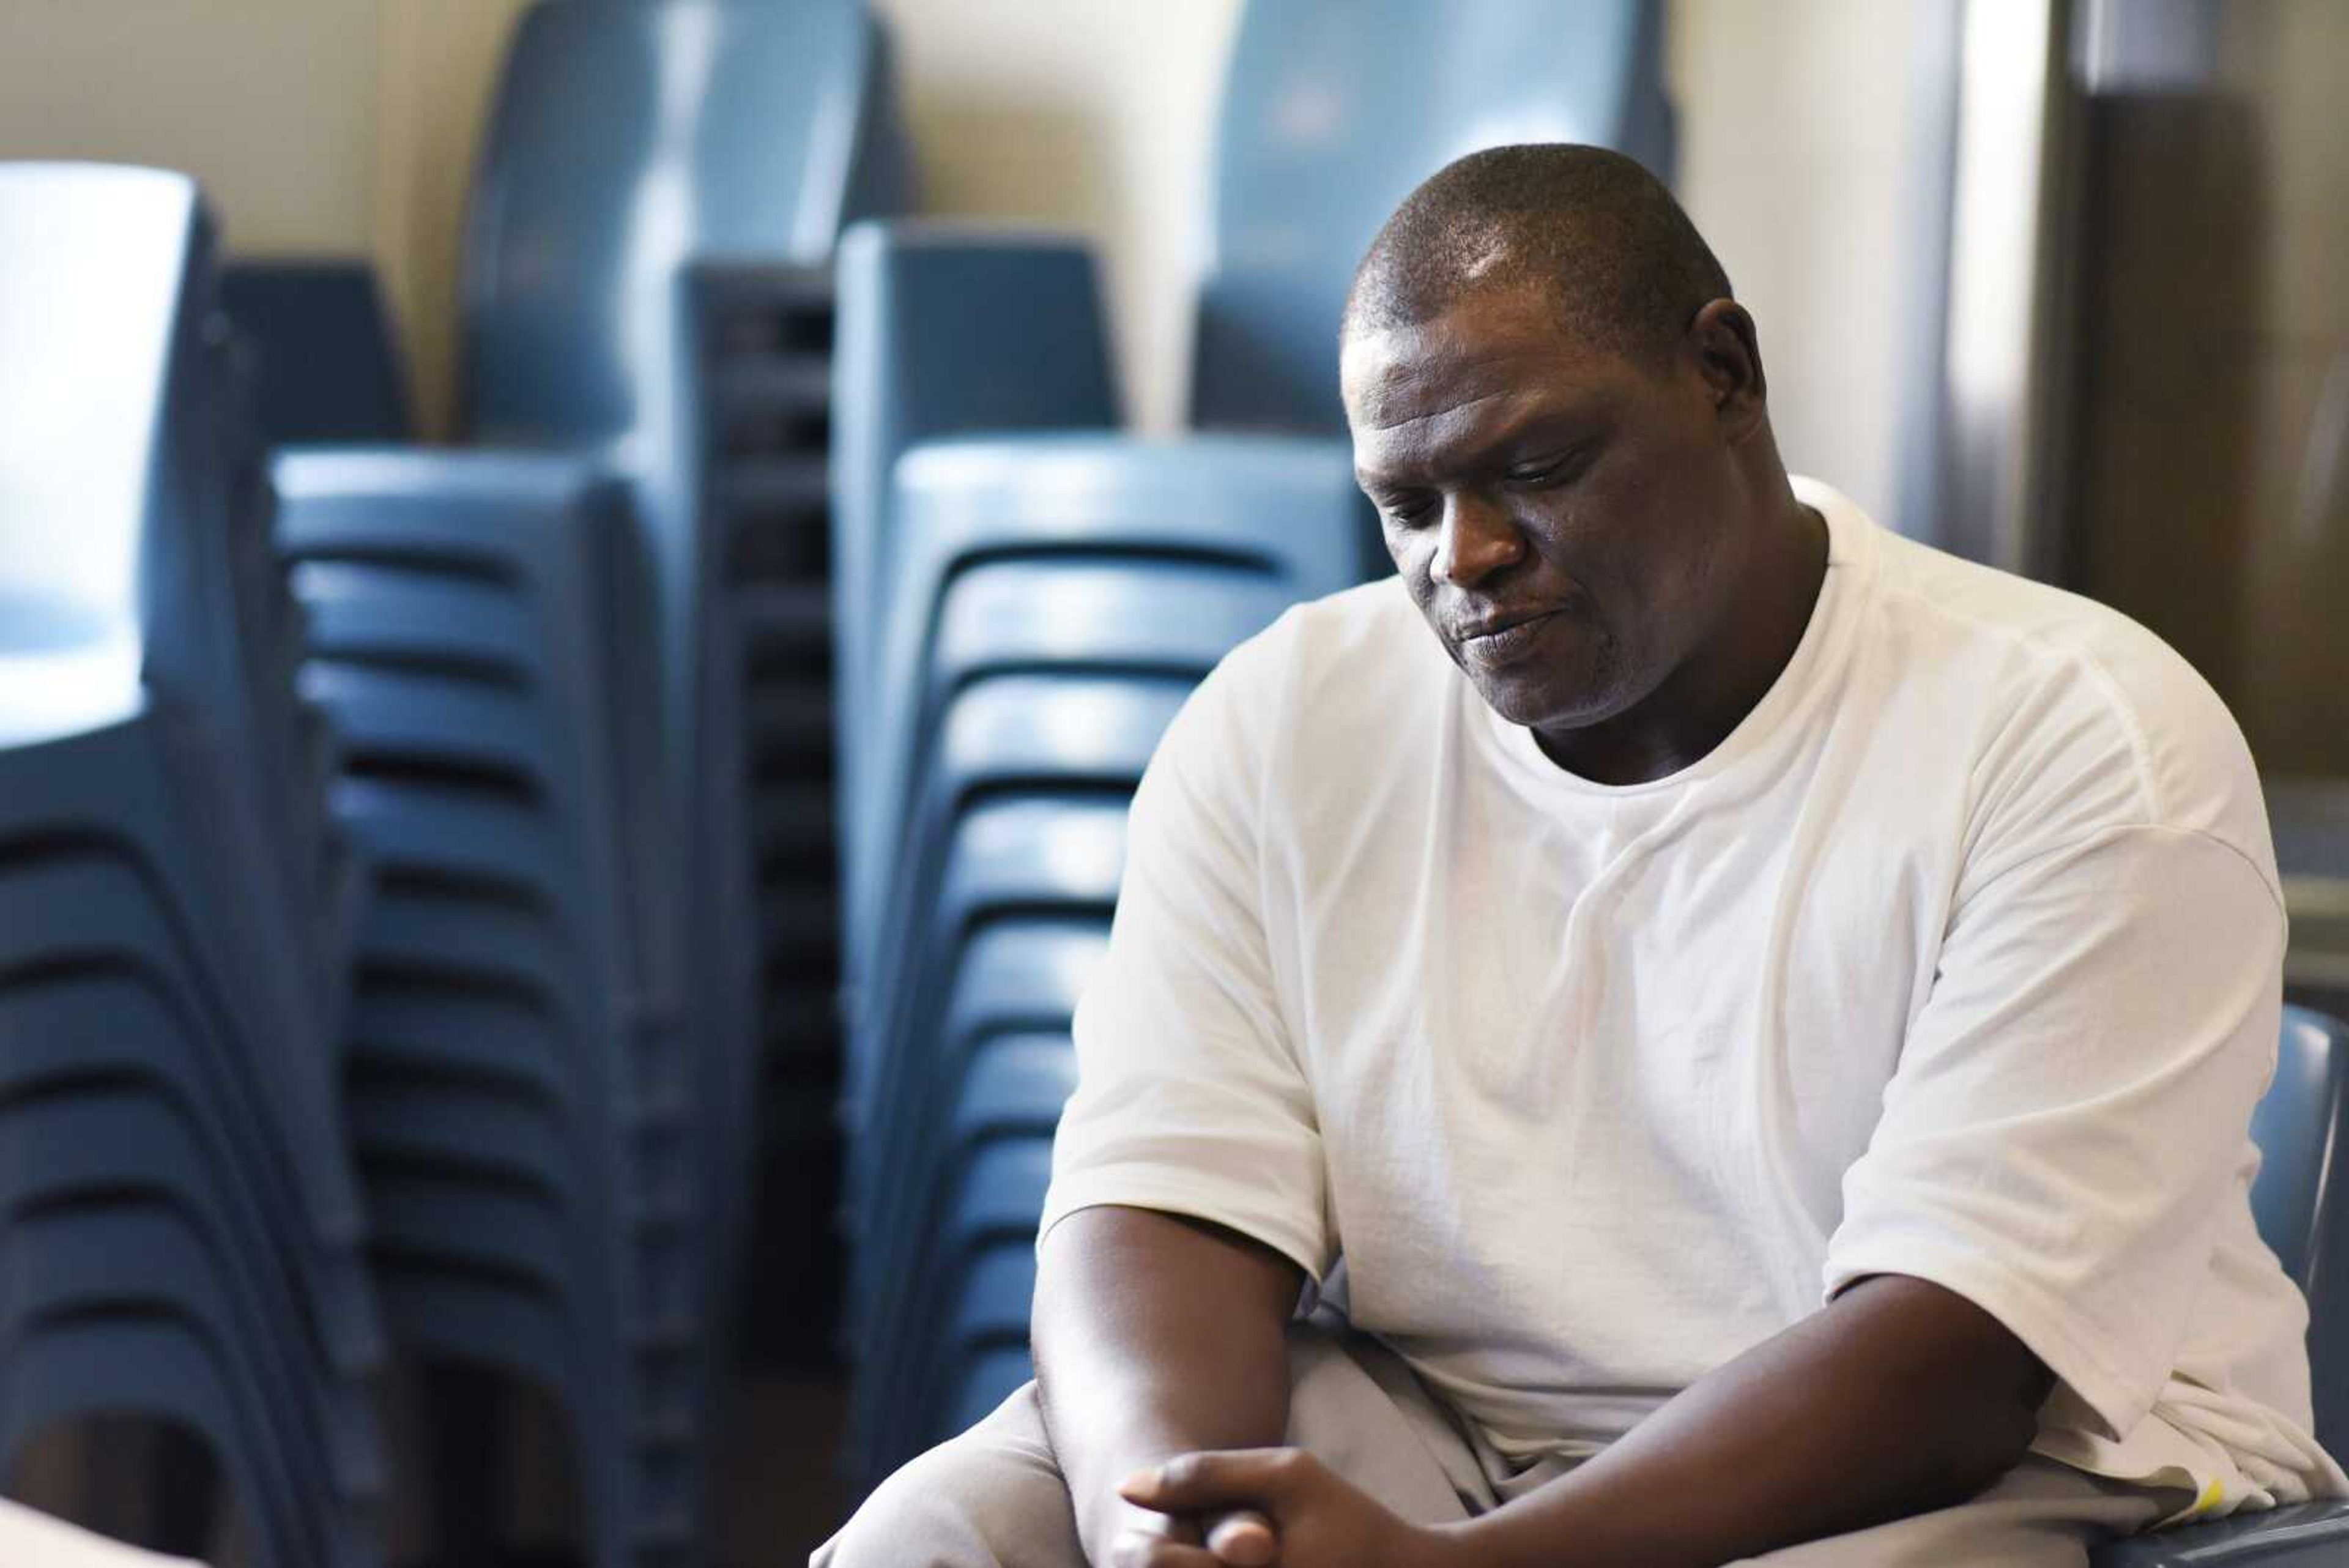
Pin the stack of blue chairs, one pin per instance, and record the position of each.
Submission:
(455, 641)
(1021, 610)
(180, 1230)
(536, 652)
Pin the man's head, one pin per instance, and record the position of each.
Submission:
(1559, 412)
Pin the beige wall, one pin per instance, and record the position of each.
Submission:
(271, 102)
(1795, 163)
(438, 63)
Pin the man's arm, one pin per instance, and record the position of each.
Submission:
(1154, 1336)
(1896, 1397)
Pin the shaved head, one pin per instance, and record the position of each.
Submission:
(1590, 230)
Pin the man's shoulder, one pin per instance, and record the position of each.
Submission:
(2071, 685)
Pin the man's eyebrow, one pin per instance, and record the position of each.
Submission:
(1573, 425)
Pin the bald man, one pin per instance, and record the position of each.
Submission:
(1739, 1046)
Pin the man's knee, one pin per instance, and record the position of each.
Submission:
(992, 1497)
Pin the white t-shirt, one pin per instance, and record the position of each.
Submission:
(1958, 959)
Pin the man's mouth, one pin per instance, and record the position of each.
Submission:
(1503, 639)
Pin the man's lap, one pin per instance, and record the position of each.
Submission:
(993, 1497)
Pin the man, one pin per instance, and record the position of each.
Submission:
(1748, 1033)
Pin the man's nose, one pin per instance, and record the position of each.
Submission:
(1478, 539)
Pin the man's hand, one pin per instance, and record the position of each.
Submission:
(1280, 1506)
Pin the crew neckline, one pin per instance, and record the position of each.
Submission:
(1851, 563)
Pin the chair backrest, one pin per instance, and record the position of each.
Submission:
(2294, 1129)
(1333, 111)
(628, 140)
(108, 567)
(328, 368)
(2299, 1126)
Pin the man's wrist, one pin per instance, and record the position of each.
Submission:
(1493, 1540)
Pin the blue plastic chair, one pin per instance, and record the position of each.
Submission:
(1009, 855)
(73, 1029)
(115, 1145)
(328, 369)
(1144, 617)
(114, 1258)
(111, 787)
(1082, 500)
(1332, 112)
(130, 601)
(1014, 995)
(1029, 732)
(792, 134)
(154, 1367)
(960, 1305)
(479, 768)
(987, 1313)
(172, 896)
(2298, 1127)
(432, 1126)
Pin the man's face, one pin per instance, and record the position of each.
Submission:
(1559, 511)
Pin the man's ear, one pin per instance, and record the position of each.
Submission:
(1729, 357)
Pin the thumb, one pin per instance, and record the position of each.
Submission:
(1209, 1482)
(1244, 1539)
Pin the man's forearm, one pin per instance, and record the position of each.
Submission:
(1154, 1336)
(1898, 1398)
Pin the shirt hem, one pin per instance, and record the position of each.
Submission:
(2026, 1313)
(1186, 1200)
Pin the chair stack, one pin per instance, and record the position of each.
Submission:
(1050, 615)
(765, 338)
(543, 650)
(792, 132)
(509, 1117)
(181, 1230)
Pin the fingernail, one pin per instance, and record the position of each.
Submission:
(1139, 1481)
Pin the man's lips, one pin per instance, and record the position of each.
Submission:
(1499, 638)
(1495, 626)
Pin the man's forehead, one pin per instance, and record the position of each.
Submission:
(1413, 389)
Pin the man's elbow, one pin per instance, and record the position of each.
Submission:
(1995, 1441)
(1990, 1426)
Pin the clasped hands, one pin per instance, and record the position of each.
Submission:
(1271, 1508)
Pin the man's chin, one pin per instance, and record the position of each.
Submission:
(1543, 707)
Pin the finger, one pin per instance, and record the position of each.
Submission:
(1209, 1482)
(1149, 1548)
(1181, 1528)
(1244, 1539)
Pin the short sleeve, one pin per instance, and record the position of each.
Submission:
(1190, 1097)
(2069, 1116)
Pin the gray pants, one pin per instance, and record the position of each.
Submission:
(993, 1497)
